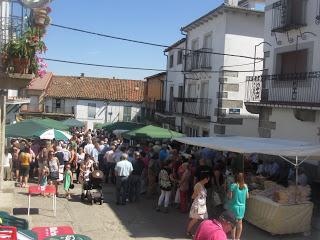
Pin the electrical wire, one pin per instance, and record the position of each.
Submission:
(139, 68)
(147, 43)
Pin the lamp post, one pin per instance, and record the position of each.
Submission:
(255, 55)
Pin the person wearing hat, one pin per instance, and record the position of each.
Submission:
(216, 228)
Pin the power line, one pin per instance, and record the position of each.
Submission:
(139, 68)
(147, 43)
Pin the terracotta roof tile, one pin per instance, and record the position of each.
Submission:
(40, 83)
(96, 88)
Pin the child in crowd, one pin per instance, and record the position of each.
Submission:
(67, 180)
(44, 179)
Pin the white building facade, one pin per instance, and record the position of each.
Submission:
(92, 112)
(287, 95)
(213, 82)
(94, 100)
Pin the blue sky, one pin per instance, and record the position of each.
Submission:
(156, 21)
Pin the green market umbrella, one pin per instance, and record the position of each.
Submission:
(73, 123)
(50, 134)
(152, 132)
(27, 128)
(122, 126)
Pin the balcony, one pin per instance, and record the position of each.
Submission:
(199, 60)
(195, 107)
(288, 15)
(296, 89)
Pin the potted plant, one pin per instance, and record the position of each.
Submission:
(40, 15)
(20, 54)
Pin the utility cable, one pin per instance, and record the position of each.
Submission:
(140, 68)
(148, 43)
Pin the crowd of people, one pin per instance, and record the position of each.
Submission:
(193, 180)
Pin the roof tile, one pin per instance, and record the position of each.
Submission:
(96, 88)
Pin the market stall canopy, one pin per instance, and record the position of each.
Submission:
(152, 132)
(269, 146)
(27, 128)
(51, 134)
(73, 123)
(122, 126)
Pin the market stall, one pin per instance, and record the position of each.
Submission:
(274, 208)
(151, 132)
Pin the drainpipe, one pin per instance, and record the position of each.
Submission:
(166, 81)
(184, 77)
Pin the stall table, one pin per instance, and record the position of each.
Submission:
(277, 218)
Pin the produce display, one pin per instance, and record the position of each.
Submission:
(290, 195)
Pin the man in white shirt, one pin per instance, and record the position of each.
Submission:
(88, 148)
(123, 170)
(109, 164)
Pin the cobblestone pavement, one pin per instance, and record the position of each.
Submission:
(133, 221)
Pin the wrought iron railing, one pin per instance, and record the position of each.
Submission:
(199, 59)
(14, 20)
(288, 14)
(197, 107)
(299, 89)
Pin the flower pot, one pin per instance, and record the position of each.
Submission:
(20, 65)
(40, 20)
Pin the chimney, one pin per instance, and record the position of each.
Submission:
(233, 3)
(81, 74)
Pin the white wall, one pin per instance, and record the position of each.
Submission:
(174, 79)
(103, 108)
(288, 127)
(233, 33)
(285, 45)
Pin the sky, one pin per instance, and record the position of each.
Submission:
(157, 21)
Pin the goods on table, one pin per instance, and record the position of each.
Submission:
(291, 195)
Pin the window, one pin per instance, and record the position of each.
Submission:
(180, 92)
(126, 114)
(293, 62)
(91, 110)
(171, 61)
(207, 41)
(57, 105)
(180, 56)
(195, 44)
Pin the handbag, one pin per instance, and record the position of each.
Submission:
(71, 186)
(202, 208)
(216, 198)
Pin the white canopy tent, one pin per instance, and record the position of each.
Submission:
(301, 151)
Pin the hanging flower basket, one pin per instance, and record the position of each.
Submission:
(39, 16)
(21, 65)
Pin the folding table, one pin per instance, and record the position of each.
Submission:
(50, 189)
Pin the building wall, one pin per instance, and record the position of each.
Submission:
(105, 111)
(174, 79)
(288, 127)
(155, 87)
(234, 33)
(311, 42)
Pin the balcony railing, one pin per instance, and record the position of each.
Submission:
(199, 59)
(14, 20)
(296, 89)
(197, 107)
(288, 14)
